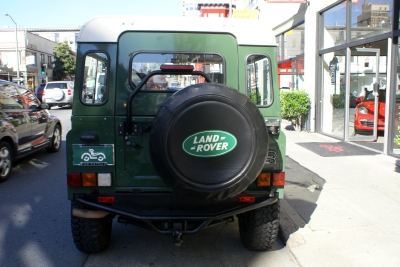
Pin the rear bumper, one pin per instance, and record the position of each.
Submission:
(161, 207)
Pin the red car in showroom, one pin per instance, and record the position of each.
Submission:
(365, 110)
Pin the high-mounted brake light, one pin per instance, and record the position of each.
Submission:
(168, 67)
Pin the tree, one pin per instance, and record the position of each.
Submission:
(64, 63)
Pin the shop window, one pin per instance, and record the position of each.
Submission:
(294, 42)
(333, 93)
(396, 125)
(334, 30)
(370, 19)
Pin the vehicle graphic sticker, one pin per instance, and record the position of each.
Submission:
(100, 155)
(210, 143)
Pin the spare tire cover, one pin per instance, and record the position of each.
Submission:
(208, 141)
(57, 94)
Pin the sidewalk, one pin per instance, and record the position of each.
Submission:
(355, 220)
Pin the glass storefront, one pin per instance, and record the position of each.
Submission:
(353, 84)
(291, 59)
(396, 124)
(333, 93)
(294, 42)
(370, 18)
(368, 69)
(334, 30)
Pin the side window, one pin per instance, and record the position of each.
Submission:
(95, 85)
(144, 63)
(259, 82)
(28, 98)
(9, 97)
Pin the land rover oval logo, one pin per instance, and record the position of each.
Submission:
(209, 143)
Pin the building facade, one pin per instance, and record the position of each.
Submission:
(35, 57)
(339, 51)
(35, 53)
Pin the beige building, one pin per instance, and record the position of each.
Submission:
(35, 57)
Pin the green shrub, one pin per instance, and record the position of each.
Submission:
(338, 100)
(397, 139)
(294, 105)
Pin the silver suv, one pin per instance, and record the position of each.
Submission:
(59, 93)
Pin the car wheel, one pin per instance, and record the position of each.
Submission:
(5, 161)
(90, 235)
(49, 107)
(55, 143)
(208, 142)
(259, 228)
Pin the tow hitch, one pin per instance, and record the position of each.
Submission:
(177, 234)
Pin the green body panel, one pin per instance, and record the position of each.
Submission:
(277, 143)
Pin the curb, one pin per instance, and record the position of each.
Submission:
(290, 221)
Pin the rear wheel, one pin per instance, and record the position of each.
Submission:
(259, 228)
(91, 235)
(5, 161)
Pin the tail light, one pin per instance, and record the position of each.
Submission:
(69, 92)
(247, 199)
(88, 179)
(106, 199)
(74, 179)
(271, 179)
(264, 179)
(278, 179)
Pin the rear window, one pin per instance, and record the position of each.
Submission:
(57, 85)
(143, 63)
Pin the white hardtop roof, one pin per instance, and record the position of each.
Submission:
(109, 28)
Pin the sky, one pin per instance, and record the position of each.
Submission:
(74, 13)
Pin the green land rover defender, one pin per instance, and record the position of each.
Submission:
(175, 127)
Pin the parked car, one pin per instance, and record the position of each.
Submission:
(58, 93)
(39, 91)
(353, 102)
(26, 126)
(365, 110)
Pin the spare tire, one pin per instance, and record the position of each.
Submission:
(208, 141)
(57, 94)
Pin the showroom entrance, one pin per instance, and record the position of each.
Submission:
(352, 90)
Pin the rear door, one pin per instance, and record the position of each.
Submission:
(134, 166)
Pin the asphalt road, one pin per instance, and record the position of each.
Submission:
(35, 227)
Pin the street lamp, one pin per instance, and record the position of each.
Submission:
(16, 44)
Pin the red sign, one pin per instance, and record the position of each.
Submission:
(286, 1)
